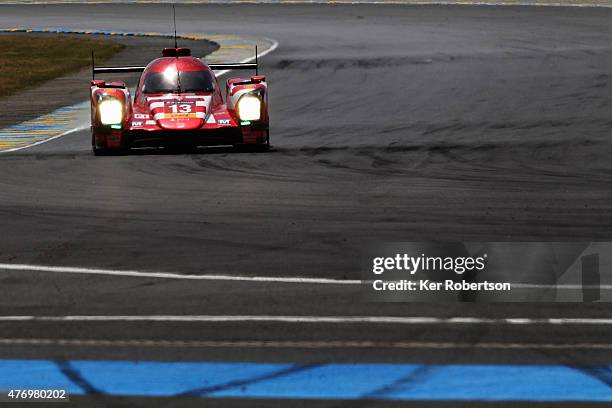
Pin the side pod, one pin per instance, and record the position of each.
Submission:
(240, 93)
(111, 111)
(237, 87)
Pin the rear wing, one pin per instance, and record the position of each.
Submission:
(214, 67)
(177, 51)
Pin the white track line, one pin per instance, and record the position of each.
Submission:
(223, 277)
(259, 55)
(398, 320)
(77, 129)
(338, 2)
(167, 275)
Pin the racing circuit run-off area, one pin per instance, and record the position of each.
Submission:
(314, 204)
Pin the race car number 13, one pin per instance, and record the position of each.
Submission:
(182, 108)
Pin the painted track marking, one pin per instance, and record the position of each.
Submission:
(68, 132)
(321, 381)
(259, 55)
(398, 320)
(523, 3)
(243, 278)
(172, 275)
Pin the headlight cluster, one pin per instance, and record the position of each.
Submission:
(249, 108)
(111, 112)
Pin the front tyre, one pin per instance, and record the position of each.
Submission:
(263, 146)
(104, 150)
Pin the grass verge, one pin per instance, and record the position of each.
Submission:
(26, 61)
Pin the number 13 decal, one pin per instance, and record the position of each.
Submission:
(181, 108)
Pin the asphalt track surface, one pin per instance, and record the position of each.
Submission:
(389, 123)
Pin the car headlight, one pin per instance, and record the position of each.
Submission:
(111, 112)
(249, 108)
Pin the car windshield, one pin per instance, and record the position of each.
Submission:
(190, 81)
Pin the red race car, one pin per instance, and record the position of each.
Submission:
(178, 101)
